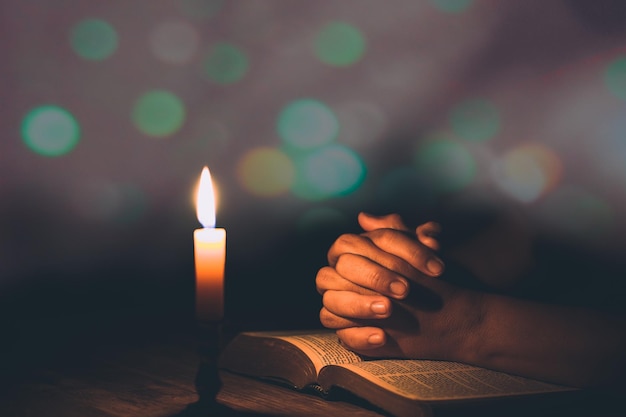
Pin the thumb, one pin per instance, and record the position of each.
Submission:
(370, 222)
(428, 233)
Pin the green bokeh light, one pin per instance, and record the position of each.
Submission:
(50, 130)
(266, 172)
(475, 120)
(199, 9)
(158, 113)
(452, 6)
(445, 165)
(226, 64)
(94, 39)
(615, 78)
(307, 124)
(339, 44)
(330, 171)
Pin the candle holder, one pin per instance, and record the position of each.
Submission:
(208, 382)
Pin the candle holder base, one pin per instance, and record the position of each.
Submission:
(208, 382)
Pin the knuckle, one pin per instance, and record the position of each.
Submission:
(388, 237)
(344, 243)
(351, 338)
(326, 298)
(377, 279)
(345, 263)
(346, 338)
(323, 278)
(331, 320)
(418, 254)
(334, 302)
(345, 240)
(325, 317)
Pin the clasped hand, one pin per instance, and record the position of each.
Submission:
(383, 294)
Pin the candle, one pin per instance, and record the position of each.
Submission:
(209, 255)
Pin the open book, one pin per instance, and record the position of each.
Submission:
(404, 388)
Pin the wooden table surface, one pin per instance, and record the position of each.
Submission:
(140, 376)
(135, 376)
(155, 381)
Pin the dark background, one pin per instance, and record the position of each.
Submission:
(306, 113)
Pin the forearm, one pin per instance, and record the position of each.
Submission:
(567, 345)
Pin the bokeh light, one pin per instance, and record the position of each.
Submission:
(475, 119)
(50, 130)
(158, 113)
(266, 172)
(226, 64)
(94, 39)
(452, 6)
(330, 171)
(574, 212)
(174, 42)
(528, 171)
(615, 78)
(339, 44)
(307, 124)
(445, 164)
(201, 9)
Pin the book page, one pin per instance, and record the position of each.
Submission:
(323, 349)
(443, 381)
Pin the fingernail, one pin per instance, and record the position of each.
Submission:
(379, 307)
(375, 339)
(398, 288)
(435, 266)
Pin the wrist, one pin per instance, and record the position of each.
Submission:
(468, 340)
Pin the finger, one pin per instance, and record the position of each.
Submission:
(427, 234)
(416, 254)
(363, 246)
(332, 321)
(328, 278)
(351, 305)
(390, 221)
(367, 273)
(362, 338)
(351, 243)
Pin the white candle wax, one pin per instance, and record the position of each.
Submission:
(210, 260)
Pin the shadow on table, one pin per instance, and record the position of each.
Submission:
(208, 384)
(213, 409)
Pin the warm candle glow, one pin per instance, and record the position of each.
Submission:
(209, 254)
(205, 200)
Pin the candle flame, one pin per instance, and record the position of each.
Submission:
(205, 200)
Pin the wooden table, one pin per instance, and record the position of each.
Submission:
(141, 376)
(136, 376)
